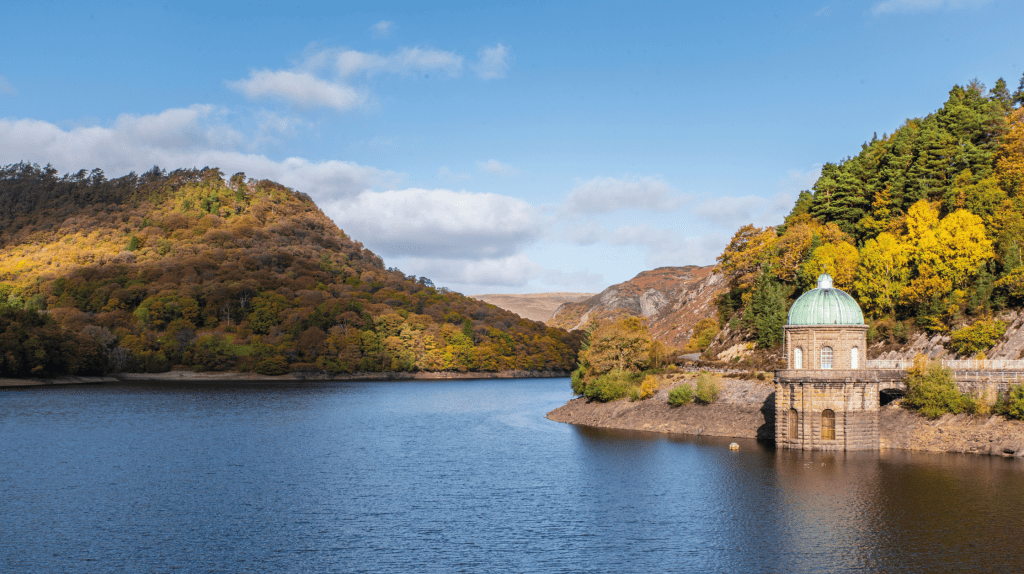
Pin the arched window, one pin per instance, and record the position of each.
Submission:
(854, 358)
(794, 424)
(826, 357)
(828, 425)
(798, 358)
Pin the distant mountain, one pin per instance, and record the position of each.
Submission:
(533, 306)
(671, 299)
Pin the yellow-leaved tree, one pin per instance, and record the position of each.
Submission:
(963, 245)
(622, 345)
(748, 252)
(882, 273)
(837, 259)
(946, 255)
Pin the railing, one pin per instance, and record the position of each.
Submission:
(955, 364)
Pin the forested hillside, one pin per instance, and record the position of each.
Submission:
(923, 226)
(187, 270)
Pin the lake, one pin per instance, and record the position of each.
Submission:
(459, 476)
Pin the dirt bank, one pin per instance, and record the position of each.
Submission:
(996, 436)
(746, 409)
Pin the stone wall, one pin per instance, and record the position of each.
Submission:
(854, 406)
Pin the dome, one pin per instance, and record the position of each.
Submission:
(825, 305)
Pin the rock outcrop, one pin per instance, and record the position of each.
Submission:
(670, 299)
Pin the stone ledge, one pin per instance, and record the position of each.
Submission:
(838, 375)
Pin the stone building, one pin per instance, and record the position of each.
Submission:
(823, 399)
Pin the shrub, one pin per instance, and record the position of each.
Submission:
(681, 395)
(979, 337)
(272, 366)
(611, 386)
(1012, 405)
(648, 387)
(707, 388)
(578, 384)
(932, 392)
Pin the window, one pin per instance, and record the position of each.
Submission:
(826, 357)
(798, 358)
(854, 358)
(828, 425)
(794, 424)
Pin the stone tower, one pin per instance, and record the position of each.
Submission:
(823, 400)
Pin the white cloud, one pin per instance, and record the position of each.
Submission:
(494, 62)
(733, 211)
(439, 223)
(497, 168)
(382, 29)
(469, 275)
(609, 194)
(301, 88)
(404, 61)
(670, 248)
(177, 138)
(6, 88)
(902, 6)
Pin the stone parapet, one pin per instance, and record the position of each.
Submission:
(839, 375)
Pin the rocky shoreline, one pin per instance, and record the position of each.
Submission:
(294, 376)
(746, 409)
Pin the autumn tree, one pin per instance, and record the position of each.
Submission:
(882, 273)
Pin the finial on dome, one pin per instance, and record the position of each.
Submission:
(824, 281)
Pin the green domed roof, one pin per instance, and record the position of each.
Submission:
(825, 305)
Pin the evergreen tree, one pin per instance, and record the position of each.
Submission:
(839, 196)
(765, 315)
(1001, 94)
(1018, 96)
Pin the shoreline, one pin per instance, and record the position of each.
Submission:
(746, 409)
(177, 376)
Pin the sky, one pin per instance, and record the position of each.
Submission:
(497, 147)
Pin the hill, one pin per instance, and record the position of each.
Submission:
(190, 270)
(671, 300)
(923, 227)
(533, 306)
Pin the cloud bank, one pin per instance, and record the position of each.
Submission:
(323, 79)
(179, 137)
(440, 223)
(609, 194)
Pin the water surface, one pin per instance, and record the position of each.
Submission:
(459, 476)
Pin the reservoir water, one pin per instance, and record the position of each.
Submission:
(461, 476)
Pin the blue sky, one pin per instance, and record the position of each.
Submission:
(497, 147)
